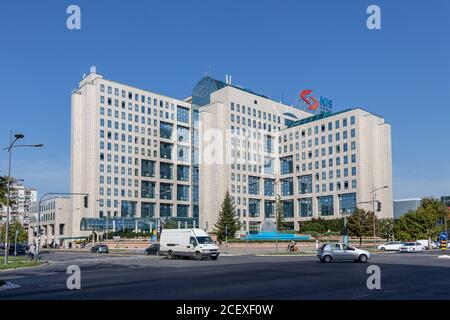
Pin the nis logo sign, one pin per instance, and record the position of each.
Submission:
(316, 105)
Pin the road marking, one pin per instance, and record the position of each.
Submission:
(9, 286)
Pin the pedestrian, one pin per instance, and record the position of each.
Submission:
(317, 244)
(32, 254)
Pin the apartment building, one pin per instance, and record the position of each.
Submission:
(21, 198)
(55, 216)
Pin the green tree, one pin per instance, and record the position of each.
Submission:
(360, 224)
(227, 222)
(16, 225)
(422, 223)
(385, 228)
(170, 224)
(279, 213)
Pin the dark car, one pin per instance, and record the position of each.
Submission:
(152, 250)
(19, 249)
(100, 248)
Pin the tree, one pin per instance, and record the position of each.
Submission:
(422, 223)
(227, 222)
(360, 224)
(16, 225)
(279, 213)
(386, 228)
(170, 224)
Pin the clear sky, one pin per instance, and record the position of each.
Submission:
(401, 71)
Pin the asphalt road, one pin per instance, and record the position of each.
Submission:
(118, 276)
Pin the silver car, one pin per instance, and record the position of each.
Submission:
(339, 251)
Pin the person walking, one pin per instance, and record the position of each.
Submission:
(32, 254)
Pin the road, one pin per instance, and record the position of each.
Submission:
(119, 276)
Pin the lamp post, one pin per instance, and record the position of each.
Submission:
(12, 145)
(373, 203)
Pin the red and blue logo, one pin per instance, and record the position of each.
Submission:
(312, 102)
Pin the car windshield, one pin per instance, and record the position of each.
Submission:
(204, 240)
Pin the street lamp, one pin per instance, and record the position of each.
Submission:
(12, 145)
(373, 203)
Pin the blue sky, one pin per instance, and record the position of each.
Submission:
(400, 72)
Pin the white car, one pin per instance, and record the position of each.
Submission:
(391, 246)
(425, 243)
(412, 247)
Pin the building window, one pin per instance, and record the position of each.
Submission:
(287, 187)
(182, 192)
(305, 184)
(286, 165)
(305, 207)
(182, 211)
(269, 209)
(165, 210)
(165, 150)
(147, 210)
(253, 207)
(165, 170)
(165, 130)
(253, 185)
(288, 208)
(182, 134)
(182, 153)
(147, 189)
(347, 203)
(269, 187)
(128, 208)
(147, 168)
(165, 191)
(326, 206)
(182, 173)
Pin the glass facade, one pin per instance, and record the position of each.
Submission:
(305, 207)
(165, 150)
(165, 130)
(128, 209)
(182, 211)
(165, 191)
(165, 210)
(326, 207)
(183, 153)
(183, 114)
(183, 134)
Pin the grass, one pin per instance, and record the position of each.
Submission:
(19, 263)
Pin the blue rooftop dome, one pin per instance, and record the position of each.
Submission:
(203, 89)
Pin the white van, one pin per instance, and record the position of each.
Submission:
(194, 243)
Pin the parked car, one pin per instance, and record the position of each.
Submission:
(19, 249)
(100, 248)
(152, 250)
(391, 246)
(412, 247)
(424, 243)
(339, 251)
(194, 243)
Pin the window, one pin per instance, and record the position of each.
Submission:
(347, 203)
(165, 210)
(165, 191)
(326, 206)
(269, 209)
(165, 130)
(268, 187)
(253, 185)
(148, 189)
(165, 150)
(182, 192)
(305, 207)
(253, 207)
(182, 173)
(288, 208)
(165, 170)
(287, 187)
(128, 208)
(182, 211)
(286, 165)
(182, 153)
(147, 168)
(305, 184)
(182, 134)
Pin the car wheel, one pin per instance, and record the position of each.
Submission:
(383, 249)
(326, 259)
(362, 258)
(170, 255)
(198, 256)
(214, 258)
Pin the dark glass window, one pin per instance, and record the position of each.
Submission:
(305, 207)
(147, 168)
(326, 206)
(288, 208)
(166, 170)
(147, 210)
(147, 189)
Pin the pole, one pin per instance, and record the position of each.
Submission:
(374, 228)
(15, 244)
(7, 201)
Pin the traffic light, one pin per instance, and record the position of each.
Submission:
(86, 201)
(378, 206)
